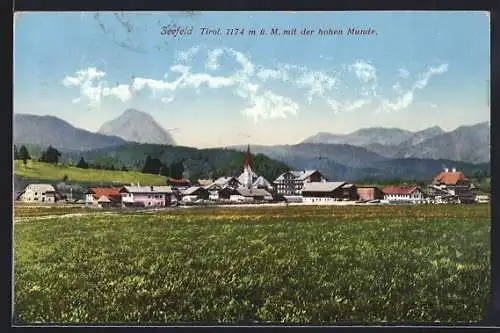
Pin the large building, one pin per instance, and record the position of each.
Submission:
(290, 183)
(319, 192)
(42, 193)
(103, 197)
(403, 194)
(146, 196)
(456, 184)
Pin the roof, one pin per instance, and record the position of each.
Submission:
(224, 180)
(173, 181)
(449, 178)
(299, 174)
(322, 186)
(41, 188)
(253, 192)
(399, 189)
(192, 190)
(261, 181)
(104, 199)
(146, 189)
(111, 193)
(205, 182)
(306, 174)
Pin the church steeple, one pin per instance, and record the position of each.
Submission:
(247, 170)
(247, 158)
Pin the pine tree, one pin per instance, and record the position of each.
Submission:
(82, 164)
(51, 155)
(24, 155)
(16, 154)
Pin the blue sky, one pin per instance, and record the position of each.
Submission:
(419, 69)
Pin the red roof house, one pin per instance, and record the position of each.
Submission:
(104, 195)
(177, 182)
(450, 178)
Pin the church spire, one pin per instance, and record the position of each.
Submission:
(247, 158)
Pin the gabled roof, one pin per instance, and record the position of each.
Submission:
(322, 187)
(449, 178)
(262, 182)
(298, 174)
(47, 188)
(307, 173)
(192, 190)
(225, 180)
(253, 192)
(104, 199)
(112, 193)
(402, 190)
(146, 189)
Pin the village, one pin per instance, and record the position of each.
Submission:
(292, 187)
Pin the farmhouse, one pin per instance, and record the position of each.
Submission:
(251, 195)
(146, 196)
(369, 193)
(103, 197)
(435, 194)
(455, 183)
(292, 182)
(328, 191)
(39, 193)
(194, 193)
(403, 194)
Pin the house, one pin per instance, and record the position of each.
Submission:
(40, 193)
(403, 194)
(103, 197)
(369, 193)
(251, 195)
(146, 196)
(226, 193)
(435, 194)
(328, 192)
(195, 193)
(290, 183)
(455, 183)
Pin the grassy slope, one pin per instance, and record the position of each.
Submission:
(287, 264)
(45, 171)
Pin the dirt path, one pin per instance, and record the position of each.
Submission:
(58, 216)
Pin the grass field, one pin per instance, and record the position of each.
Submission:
(49, 172)
(311, 265)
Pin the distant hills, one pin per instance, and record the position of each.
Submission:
(49, 130)
(469, 144)
(131, 126)
(137, 126)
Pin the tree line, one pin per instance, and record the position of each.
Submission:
(151, 165)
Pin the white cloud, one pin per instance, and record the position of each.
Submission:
(270, 105)
(364, 71)
(317, 82)
(405, 99)
(253, 84)
(213, 56)
(403, 73)
(186, 56)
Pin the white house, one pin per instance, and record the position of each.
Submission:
(407, 194)
(45, 193)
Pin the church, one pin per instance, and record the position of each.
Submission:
(249, 179)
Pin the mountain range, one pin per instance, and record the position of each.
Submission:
(131, 126)
(377, 153)
(469, 144)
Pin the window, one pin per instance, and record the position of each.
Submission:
(149, 197)
(36, 193)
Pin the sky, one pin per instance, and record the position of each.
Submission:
(413, 70)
